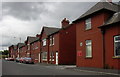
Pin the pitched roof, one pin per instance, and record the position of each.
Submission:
(100, 6)
(15, 47)
(31, 39)
(114, 19)
(50, 30)
(20, 44)
(35, 39)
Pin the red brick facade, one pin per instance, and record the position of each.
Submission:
(86, 42)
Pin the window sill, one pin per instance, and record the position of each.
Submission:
(88, 57)
(116, 57)
(88, 29)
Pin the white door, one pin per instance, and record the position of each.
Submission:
(39, 58)
(56, 57)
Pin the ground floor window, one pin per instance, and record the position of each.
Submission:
(51, 56)
(117, 45)
(88, 48)
(44, 56)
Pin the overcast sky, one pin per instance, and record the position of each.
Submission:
(22, 19)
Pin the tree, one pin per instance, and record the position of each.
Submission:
(5, 52)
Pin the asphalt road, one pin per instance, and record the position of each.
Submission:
(13, 68)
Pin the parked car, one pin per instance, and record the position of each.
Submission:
(9, 59)
(17, 59)
(28, 60)
(6, 58)
(21, 60)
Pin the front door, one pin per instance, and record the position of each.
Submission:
(56, 57)
(39, 58)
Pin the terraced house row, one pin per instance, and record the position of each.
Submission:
(92, 40)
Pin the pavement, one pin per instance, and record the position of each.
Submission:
(85, 69)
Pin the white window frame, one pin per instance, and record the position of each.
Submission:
(28, 46)
(50, 40)
(44, 56)
(88, 24)
(88, 44)
(116, 41)
(44, 42)
(53, 41)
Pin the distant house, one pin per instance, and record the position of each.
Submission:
(22, 50)
(19, 45)
(29, 40)
(91, 50)
(58, 45)
(45, 42)
(11, 49)
(35, 49)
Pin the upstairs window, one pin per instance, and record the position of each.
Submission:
(28, 46)
(88, 48)
(44, 42)
(88, 24)
(117, 45)
(51, 40)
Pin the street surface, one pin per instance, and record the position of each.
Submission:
(13, 68)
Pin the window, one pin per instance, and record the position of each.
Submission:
(51, 56)
(44, 42)
(44, 56)
(117, 45)
(51, 40)
(28, 46)
(88, 24)
(88, 48)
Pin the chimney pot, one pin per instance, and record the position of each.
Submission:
(65, 22)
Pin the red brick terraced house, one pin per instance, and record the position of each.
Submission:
(60, 44)
(45, 42)
(89, 39)
(14, 53)
(11, 49)
(35, 49)
(18, 49)
(111, 38)
(22, 51)
(28, 48)
(67, 43)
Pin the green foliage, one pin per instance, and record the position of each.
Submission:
(5, 52)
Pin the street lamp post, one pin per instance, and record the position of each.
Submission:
(19, 38)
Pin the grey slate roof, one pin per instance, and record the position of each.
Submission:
(32, 39)
(20, 44)
(99, 6)
(114, 19)
(50, 30)
(15, 47)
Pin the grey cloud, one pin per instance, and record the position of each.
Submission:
(22, 19)
(23, 10)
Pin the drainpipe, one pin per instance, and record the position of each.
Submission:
(103, 44)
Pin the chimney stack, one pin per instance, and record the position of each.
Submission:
(37, 35)
(64, 22)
